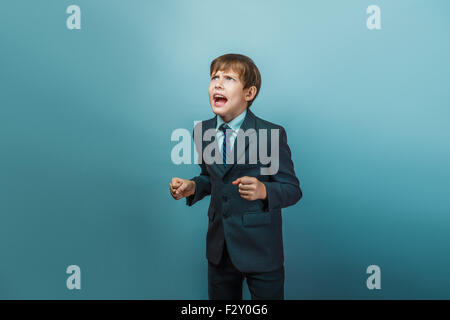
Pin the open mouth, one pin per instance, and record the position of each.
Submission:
(219, 100)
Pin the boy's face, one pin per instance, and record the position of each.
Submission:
(227, 95)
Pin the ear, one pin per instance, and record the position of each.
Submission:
(250, 93)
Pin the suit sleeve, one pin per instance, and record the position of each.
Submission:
(202, 186)
(283, 188)
(202, 181)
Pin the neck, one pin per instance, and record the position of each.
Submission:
(228, 118)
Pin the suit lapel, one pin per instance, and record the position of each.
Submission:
(211, 124)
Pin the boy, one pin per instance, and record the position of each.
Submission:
(244, 238)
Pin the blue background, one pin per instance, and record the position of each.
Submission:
(86, 118)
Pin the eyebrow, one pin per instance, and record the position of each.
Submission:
(225, 74)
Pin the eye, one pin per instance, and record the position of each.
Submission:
(230, 78)
(213, 77)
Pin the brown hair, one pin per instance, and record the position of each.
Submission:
(243, 65)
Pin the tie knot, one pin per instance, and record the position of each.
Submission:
(224, 127)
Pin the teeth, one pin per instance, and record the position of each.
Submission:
(219, 96)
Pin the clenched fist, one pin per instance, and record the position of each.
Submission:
(180, 188)
(251, 188)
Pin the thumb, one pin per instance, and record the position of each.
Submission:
(182, 187)
(176, 182)
(237, 181)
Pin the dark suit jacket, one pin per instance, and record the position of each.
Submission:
(252, 229)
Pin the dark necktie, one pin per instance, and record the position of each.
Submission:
(226, 142)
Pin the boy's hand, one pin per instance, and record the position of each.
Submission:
(180, 188)
(251, 188)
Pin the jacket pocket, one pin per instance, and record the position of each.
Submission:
(253, 219)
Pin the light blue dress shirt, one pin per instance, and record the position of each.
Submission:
(234, 124)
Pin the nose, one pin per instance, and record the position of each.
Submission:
(218, 84)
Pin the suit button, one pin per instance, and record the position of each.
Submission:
(225, 198)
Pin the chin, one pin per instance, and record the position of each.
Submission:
(219, 110)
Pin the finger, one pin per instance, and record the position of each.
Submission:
(247, 186)
(177, 195)
(176, 182)
(181, 188)
(172, 189)
(246, 197)
(248, 180)
(246, 192)
(240, 180)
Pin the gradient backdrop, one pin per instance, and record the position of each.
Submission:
(86, 118)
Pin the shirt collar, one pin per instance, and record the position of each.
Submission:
(234, 124)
